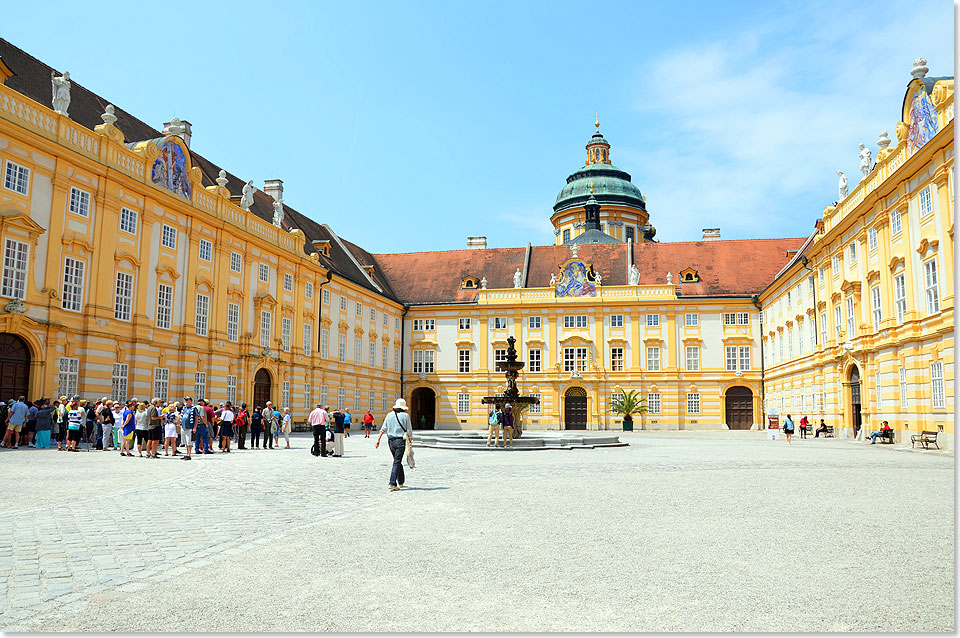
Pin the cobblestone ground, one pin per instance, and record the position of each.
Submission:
(677, 532)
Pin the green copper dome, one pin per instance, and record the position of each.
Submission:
(611, 186)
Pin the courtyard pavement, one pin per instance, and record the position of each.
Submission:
(682, 531)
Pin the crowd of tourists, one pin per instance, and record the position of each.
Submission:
(145, 427)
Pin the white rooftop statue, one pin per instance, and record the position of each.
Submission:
(844, 189)
(246, 200)
(108, 116)
(634, 278)
(518, 279)
(61, 91)
(222, 178)
(278, 213)
(919, 69)
(483, 283)
(553, 279)
(865, 160)
(599, 279)
(669, 277)
(574, 248)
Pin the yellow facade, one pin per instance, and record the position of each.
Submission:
(870, 307)
(65, 213)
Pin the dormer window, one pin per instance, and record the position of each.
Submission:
(689, 276)
(469, 283)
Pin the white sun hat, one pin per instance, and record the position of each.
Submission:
(400, 405)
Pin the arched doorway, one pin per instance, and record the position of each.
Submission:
(855, 399)
(14, 367)
(575, 409)
(423, 408)
(739, 408)
(261, 388)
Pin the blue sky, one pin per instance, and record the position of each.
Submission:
(410, 125)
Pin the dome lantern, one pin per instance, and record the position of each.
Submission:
(598, 149)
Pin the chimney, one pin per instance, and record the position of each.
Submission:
(273, 188)
(711, 234)
(476, 242)
(176, 126)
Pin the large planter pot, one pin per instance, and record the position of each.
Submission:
(628, 423)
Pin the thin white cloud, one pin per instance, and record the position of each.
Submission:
(747, 132)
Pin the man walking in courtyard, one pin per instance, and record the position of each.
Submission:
(190, 418)
(346, 422)
(318, 420)
(396, 425)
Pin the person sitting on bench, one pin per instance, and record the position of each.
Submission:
(882, 432)
(822, 428)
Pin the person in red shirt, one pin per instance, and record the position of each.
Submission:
(803, 427)
(367, 424)
(211, 421)
(882, 432)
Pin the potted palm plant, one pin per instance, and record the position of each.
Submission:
(628, 403)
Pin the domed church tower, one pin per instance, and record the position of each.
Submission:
(623, 211)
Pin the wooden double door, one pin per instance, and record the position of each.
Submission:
(739, 408)
(14, 367)
(575, 409)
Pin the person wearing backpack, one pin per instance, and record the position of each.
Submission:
(396, 425)
(493, 420)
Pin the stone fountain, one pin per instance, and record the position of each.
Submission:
(511, 369)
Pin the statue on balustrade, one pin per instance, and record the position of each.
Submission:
(61, 91)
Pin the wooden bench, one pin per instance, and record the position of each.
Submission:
(827, 432)
(925, 438)
(885, 437)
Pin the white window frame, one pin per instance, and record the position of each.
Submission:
(205, 250)
(286, 328)
(161, 383)
(616, 359)
(534, 323)
(288, 282)
(851, 317)
(199, 386)
(232, 388)
(872, 241)
(74, 273)
(731, 359)
(168, 236)
(325, 343)
(343, 304)
(852, 252)
(118, 382)
(535, 408)
(324, 395)
(925, 202)
(68, 376)
(693, 403)
(823, 327)
(499, 323)
(875, 302)
(900, 296)
(164, 306)
(236, 261)
(326, 297)
(202, 321)
(896, 223)
(904, 398)
(743, 353)
(463, 403)
(16, 178)
(285, 394)
(693, 358)
(123, 297)
(428, 361)
(233, 322)
(653, 403)
(616, 321)
(937, 395)
(653, 320)
(359, 308)
(307, 339)
(691, 319)
(931, 286)
(534, 360)
(878, 389)
(653, 358)
(463, 323)
(79, 202)
(128, 220)
(308, 290)
(373, 354)
(266, 328)
(16, 265)
(358, 350)
(263, 273)
(342, 348)
(463, 360)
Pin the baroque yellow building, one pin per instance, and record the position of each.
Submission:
(134, 266)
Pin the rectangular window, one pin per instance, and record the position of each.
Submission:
(744, 352)
(288, 282)
(780, 345)
(396, 323)
(464, 323)
(17, 179)
(373, 315)
(895, 222)
(926, 202)
(233, 322)
(236, 261)
(463, 403)
(821, 275)
(203, 314)
(73, 284)
(324, 395)
(851, 319)
(325, 343)
(533, 323)
(356, 400)
(307, 338)
(852, 250)
(535, 408)
(396, 360)
(463, 360)
(343, 304)
(373, 354)
(118, 385)
(384, 401)
(900, 296)
(534, 360)
(653, 358)
(823, 327)
(872, 239)
(653, 320)
(266, 328)
(16, 258)
(358, 308)
(128, 221)
(308, 290)
(326, 297)
(307, 391)
(424, 324)
(574, 359)
(812, 334)
(693, 358)
(731, 358)
(79, 202)
(737, 318)
(123, 297)
(616, 321)
(417, 361)
(164, 305)
(384, 351)
(428, 361)
(878, 390)
(168, 237)
(930, 283)
(285, 329)
(371, 400)
(566, 235)
(789, 300)
(903, 388)
(264, 273)
(810, 286)
(357, 350)
(743, 318)
(691, 319)
(285, 394)
(790, 343)
(161, 383)
(232, 388)
(199, 386)
(835, 263)
(499, 323)
(206, 250)
(68, 376)
(616, 359)
(936, 385)
(837, 320)
(629, 233)
(875, 302)
(653, 402)
(386, 319)
(693, 403)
